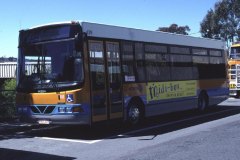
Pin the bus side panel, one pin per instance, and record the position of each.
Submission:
(217, 90)
(169, 106)
(171, 96)
(163, 97)
(134, 90)
(174, 96)
(131, 90)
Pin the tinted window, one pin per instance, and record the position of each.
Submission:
(139, 54)
(215, 53)
(197, 51)
(181, 67)
(155, 48)
(97, 65)
(157, 66)
(180, 50)
(46, 34)
(128, 62)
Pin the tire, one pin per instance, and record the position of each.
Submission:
(135, 113)
(202, 102)
(238, 94)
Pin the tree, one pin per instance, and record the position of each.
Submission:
(174, 28)
(223, 21)
(7, 98)
(208, 27)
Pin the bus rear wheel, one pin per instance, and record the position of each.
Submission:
(202, 102)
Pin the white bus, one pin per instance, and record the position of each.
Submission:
(102, 72)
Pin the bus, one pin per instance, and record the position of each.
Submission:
(234, 70)
(87, 72)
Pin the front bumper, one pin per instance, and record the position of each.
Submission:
(233, 92)
(55, 114)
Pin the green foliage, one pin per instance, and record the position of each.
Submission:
(222, 22)
(7, 97)
(209, 27)
(174, 28)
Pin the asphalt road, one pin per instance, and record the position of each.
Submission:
(185, 135)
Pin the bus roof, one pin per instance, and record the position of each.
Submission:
(116, 32)
(140, 35)
(54, 24)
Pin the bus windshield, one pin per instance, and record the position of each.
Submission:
(235, 53)
(49, 66)
(47, 34)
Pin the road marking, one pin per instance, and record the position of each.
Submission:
(126, 134)
(70, 140)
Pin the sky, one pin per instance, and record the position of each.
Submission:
(142, 14)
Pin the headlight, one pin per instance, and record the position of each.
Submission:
(68, 109)
(61, 109)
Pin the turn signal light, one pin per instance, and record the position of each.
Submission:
(77, 109)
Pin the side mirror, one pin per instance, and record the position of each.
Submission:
(78, 37)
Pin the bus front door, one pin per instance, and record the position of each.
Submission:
(114, 80)
(105, 75)
(98, 81)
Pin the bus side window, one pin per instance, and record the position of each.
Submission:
(157, 62)
(128, 62)
(97, 69)
(201, 63)
(181, 67)
(139, 57)
(217, 64)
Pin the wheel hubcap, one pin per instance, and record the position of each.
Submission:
(134, 114)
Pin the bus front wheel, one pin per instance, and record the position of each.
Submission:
(135, 113)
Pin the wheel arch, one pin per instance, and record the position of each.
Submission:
(135, 100)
